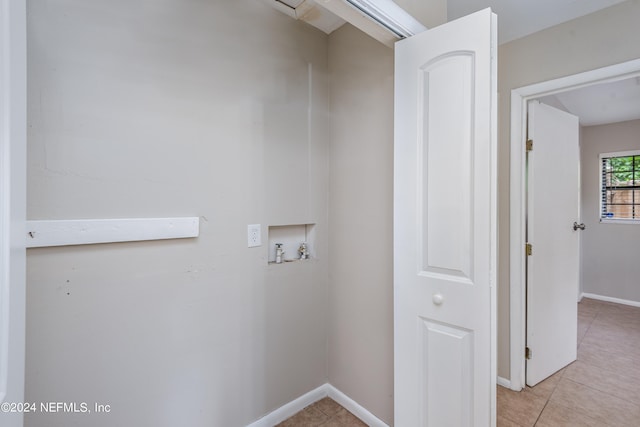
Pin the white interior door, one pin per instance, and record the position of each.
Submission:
(552, 269)
(445, 225)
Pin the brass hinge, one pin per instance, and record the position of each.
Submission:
(528, 249)
(529, 144)
(528, 354)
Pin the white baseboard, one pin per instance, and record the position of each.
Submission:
(297, 405)
(353, 407)
(504, 382)
(611, 299)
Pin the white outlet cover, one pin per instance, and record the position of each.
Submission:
(254, 235)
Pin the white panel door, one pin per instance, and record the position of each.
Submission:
(552, 269)
(445, 225)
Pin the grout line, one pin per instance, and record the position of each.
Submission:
(541, 411)
(587, 331)
(590, 386)
(550, 395)
(598, 312)
(597, 421)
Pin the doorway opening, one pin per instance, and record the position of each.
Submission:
(519, 100)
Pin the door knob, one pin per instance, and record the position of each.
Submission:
(578, 226)
(438, 299)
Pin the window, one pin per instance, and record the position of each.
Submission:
(620, 188)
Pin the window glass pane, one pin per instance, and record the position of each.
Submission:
(611, 196)
(620, 192)
(619, 203)
(621, 164)
(621, 211)
(621, 178)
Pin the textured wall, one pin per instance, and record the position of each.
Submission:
(609, 251)
(603, 38)
(215, 109)
(361, 218)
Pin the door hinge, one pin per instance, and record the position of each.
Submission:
(529, 144)
(528, 354)
(528, 249)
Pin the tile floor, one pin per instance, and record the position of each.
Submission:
(601, 388)
(324, 413)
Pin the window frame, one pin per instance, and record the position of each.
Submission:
(602, 189)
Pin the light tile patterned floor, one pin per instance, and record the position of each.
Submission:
(325, 413)
(601, 388)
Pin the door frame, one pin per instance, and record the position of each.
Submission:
(517, 216)
(13, 142)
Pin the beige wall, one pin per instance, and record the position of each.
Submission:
(430, 13)
(609, 251)
(361, 220)
(604, 38)
(175, 108)
(594, 41)
(193, 108)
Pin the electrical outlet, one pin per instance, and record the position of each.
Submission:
(254, 235)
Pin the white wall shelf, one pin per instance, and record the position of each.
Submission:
(92, 231)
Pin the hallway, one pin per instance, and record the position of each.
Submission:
(601, 388)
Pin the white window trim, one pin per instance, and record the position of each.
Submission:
(619, 221)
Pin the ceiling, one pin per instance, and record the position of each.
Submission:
(516, 18)
(519, 18)
(595, 105)
(601, 103)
